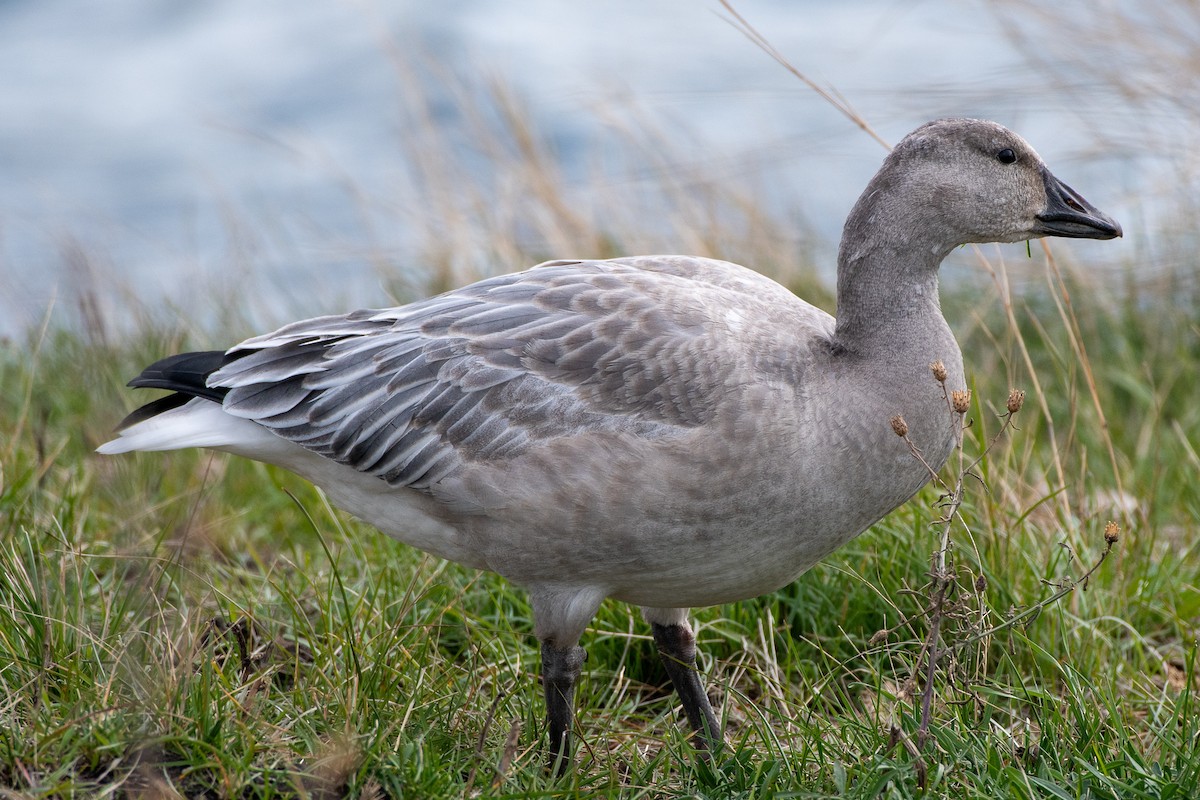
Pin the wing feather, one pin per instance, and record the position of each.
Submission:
(410, 394)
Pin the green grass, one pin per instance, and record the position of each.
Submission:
(195, 624)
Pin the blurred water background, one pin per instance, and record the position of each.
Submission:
(309, 155)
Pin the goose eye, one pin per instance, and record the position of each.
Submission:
(1006, 156)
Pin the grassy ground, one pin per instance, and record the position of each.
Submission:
(194, 624)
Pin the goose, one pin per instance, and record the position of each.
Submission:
(667, 431)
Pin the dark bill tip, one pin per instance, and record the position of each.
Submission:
(1068, 214)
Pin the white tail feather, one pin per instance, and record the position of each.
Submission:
(197, 423)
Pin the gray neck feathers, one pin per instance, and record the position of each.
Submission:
(891, 248)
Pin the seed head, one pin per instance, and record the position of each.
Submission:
(980, 583)
(960, 400)
(1112, 532)
(1016, 398)
(939, 371)
(899, 426)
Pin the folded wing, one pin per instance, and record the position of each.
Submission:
(481, 373)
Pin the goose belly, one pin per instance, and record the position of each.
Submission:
(695, 526)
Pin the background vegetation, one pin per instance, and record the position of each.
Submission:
(187, 624)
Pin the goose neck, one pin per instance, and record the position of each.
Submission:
(888, 274)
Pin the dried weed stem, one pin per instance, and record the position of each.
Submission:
(943, 591)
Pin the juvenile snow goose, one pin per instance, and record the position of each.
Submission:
(668, 431)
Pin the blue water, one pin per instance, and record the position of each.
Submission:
(175, 145)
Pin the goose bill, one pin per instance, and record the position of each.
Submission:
(1068, 214)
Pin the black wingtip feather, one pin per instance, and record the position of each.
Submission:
(186, 373)
(152, 409)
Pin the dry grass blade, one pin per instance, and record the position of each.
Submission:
(1004, 290)
(1062, 300)
(750, 32)
(511, 745)
(481, 742)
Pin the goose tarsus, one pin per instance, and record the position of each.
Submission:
(676, 646)
(560, 674)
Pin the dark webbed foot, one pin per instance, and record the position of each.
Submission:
(677, 647)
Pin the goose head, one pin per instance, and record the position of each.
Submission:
(979, 182)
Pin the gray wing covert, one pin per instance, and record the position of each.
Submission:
(480, 373)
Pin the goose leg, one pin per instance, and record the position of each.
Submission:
(676, 646)
(560, 616)
(560, 673)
